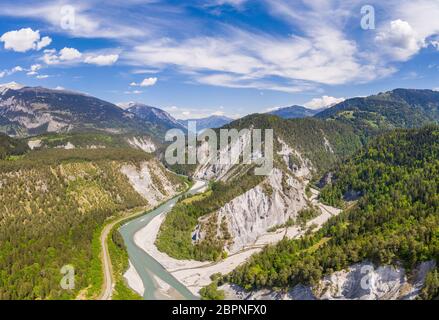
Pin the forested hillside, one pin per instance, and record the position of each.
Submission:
(323, 143)
(395, 219)
(90, 140)
(400, 108)
(52, 206)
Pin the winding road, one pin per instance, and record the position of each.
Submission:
(106, 262)
(108, 283)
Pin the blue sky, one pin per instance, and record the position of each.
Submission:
(232, 57)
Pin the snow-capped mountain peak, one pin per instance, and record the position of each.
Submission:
(11, 85)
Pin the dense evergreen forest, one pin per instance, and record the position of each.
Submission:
(399, 108)
(394, 220)
(11, 147)
(52, 206)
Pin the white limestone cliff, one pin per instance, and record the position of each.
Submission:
(150, 181)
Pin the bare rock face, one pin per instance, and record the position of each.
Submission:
(301, 167)
(272, 203)
(150, 181)
(142, 143)
(361, 281)
(364, 282)
(220, 170)
(33, 144)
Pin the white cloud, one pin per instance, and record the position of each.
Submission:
(230, 2)
(145, 71)
(133, 92)
(323, 102)
(10, 72)
(50, 57)
(24, 40)
(42, 76)
(217, 7)
(321, 54)
(319, 47)
(17, 69)
(34, 69)
(92, 19)
(64, 56)
(243, 82)
(44, 42)
(102, 60)
(192, 112)
(71, 56)
(420, 14)
(68, 54)
(147, 82)
(400, 40)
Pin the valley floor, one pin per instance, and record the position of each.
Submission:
(195, 274)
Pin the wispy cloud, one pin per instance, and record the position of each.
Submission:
(320, 54)
(10, 72)
(318, 46)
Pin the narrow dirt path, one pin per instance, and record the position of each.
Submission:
(108, 284)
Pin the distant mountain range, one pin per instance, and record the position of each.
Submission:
(399, 108)
(208, 123)
(153, 114)
(156, 115)
(294, 112)
(28, 111)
